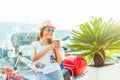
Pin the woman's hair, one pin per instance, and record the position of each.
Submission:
(41, 35)
(41, 32)
(38, 38)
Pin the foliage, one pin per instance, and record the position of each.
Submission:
(94, 36)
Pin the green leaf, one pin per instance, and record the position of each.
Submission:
(96, 35)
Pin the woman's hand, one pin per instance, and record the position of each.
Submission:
(57, 51)
(54, 45)
(57, 44)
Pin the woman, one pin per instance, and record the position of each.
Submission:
(46, 54)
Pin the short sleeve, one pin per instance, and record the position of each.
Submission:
(34, 43)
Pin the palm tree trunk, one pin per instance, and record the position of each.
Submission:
(98, 60)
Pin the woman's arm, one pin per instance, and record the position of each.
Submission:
(57, 52)
(58, 56)
(36, 56)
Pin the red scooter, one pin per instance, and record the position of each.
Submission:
(7, 73)
(76, 65)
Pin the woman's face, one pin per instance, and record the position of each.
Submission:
(48, 32)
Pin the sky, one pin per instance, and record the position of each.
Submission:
(64, 14)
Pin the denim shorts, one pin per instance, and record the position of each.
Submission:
(56, 75)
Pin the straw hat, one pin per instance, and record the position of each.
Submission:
(46, 23)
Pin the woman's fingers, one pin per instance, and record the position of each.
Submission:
(55, 44)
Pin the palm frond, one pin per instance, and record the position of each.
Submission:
(80, 46)
(96, 35)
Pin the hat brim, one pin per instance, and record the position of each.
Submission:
(41, 27)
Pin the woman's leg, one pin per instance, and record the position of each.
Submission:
(57, 75)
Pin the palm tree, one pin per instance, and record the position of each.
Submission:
(95, 39)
